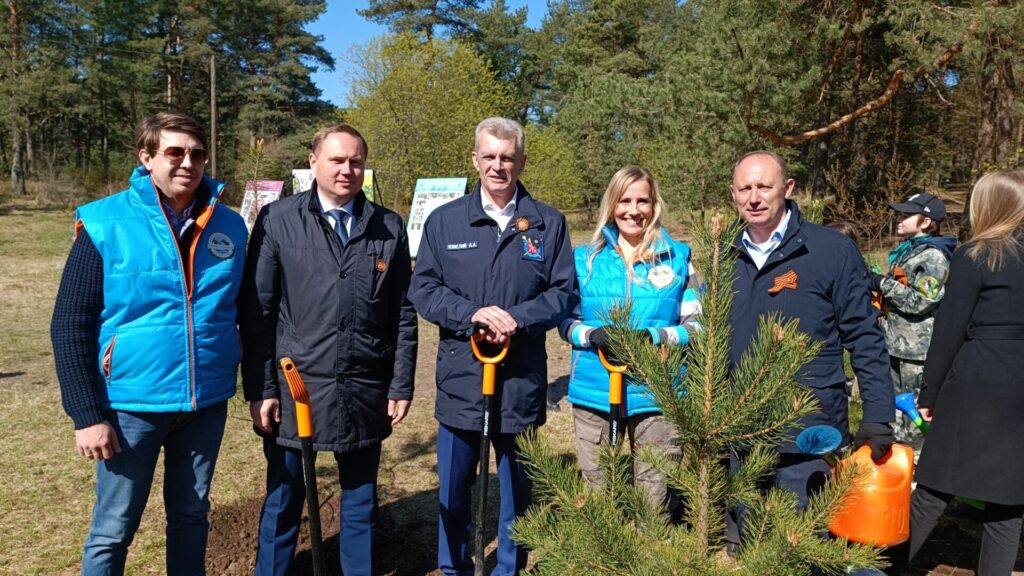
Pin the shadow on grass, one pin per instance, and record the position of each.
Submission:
(558, 390)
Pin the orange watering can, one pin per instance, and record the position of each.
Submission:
(877, 512)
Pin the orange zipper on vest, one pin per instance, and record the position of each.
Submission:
(201, 220)
(200, 223)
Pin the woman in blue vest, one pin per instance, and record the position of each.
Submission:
(630, 259)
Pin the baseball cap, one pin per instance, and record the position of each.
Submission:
(922, 203)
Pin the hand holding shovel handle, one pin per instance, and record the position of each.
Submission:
(615, 393)
(304, 425)
(490, 371)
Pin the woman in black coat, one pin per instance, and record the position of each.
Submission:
(973, 391)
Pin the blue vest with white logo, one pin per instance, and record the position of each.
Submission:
(165, 346)
(604, 285)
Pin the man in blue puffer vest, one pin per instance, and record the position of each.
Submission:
(146, 345)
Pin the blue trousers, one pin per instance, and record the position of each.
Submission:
(191, 443)
(458, 455)
(286, 493)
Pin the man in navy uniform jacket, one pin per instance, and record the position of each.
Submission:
(500, 259)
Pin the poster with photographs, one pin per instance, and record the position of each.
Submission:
(258, 194)
(368, 184)
(302, 180)
(430, 194)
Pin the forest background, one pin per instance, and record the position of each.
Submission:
(866, 98)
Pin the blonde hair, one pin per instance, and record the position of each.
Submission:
(997, 214)
(617, 187)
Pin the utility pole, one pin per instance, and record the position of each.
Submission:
(17, 145)
(213, 118)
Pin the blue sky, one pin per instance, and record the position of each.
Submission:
(342, 28)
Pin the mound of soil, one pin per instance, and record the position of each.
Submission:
(406, 537)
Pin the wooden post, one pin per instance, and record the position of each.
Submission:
(213, 118)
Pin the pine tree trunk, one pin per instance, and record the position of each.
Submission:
(703, 527)
(30, 153)
(996, 131)
(17, 164)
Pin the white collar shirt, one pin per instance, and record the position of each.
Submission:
(500, 215)
(759, 253)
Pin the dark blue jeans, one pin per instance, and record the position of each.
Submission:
(191, 442)
(286, 493)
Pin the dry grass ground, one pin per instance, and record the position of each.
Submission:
(46, 491)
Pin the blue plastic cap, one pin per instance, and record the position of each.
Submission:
(819, 440)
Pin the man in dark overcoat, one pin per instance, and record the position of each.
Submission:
(326, 283)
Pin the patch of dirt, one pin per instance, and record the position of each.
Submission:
(406, 536)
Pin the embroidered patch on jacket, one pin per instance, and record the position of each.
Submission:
(461, 246)
(787, 280)
(929, 287)
(380, 266)
(533, 248)
(221, 246)
(661, 276)
(522, 224)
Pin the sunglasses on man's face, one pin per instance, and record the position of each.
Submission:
(176, 155)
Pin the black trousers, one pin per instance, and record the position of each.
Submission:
(1002, 526)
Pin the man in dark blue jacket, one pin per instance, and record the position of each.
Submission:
(326, 284)
(500, 259)
(816, 275)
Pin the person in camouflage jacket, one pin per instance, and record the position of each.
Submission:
(910, 292)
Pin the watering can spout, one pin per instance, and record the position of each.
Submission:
(908, 405)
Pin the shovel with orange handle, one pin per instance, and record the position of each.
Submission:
(490, 371)
(615, 392)
(304, 425)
